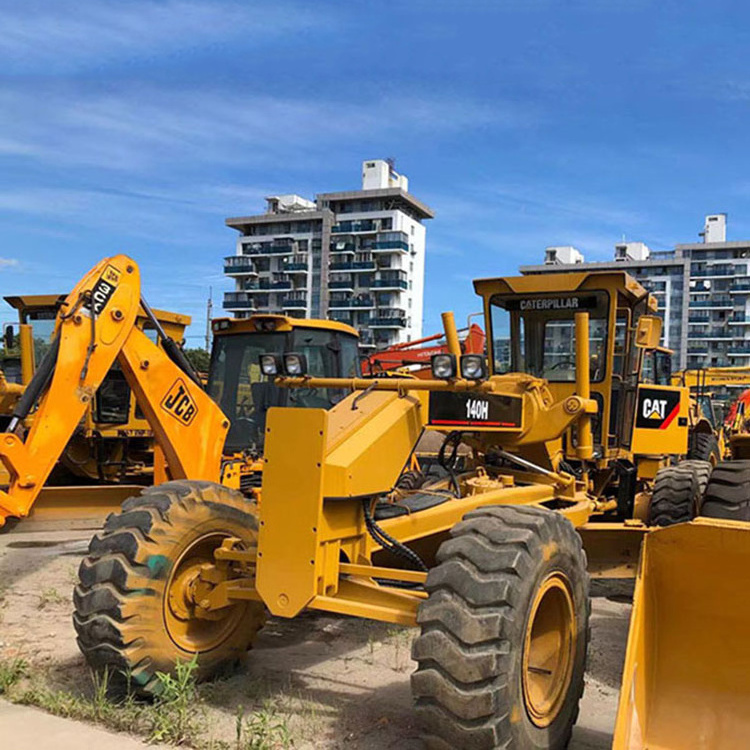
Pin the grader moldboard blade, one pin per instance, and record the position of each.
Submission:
(686, 684)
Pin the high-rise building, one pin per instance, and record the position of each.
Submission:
(356, 256)
(703, 290)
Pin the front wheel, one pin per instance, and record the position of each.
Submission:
(504, 631)
(136, 609)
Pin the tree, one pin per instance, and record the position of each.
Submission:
(198, 358)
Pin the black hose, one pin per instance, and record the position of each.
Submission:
(454, 440)
(38, 385)
(385, 540)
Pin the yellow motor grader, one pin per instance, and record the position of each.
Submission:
(569, 457)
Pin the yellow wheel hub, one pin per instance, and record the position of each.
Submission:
(190, 626)
(549, 650)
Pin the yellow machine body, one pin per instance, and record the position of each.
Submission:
(686, 682)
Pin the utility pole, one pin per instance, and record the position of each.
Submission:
(209, 314)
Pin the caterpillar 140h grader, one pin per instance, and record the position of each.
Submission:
(569, 456)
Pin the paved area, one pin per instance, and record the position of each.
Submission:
(22, 728)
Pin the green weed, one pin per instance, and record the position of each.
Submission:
(11, 672)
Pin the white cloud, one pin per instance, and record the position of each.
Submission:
(8, 263)
(136, 128)
(72, 34)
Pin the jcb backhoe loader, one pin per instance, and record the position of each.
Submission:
(113, 442)
(486, 561)
(234, 380)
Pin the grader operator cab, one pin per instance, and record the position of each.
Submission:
(486, 560)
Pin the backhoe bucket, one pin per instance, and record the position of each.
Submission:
(686, 683)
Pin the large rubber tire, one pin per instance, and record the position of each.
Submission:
(704, 447)
(473, 685)
(728, 492)
(702, 471)
(127, 615)
(677, 495)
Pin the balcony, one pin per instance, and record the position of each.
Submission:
(698, 318)
(739, 319)
(718, 334)
(342, 247)
(388, 322)
(389, 245)
(342, 318)
(366, 337)
(389, 284)
(239, 265)
(347, 285)
(740, 287)
(347, 227)
(273, 248)
(358, 303)
(238, 301)
(296, 267)
(717, 271)
(358, 265)
(741, 350)
(716, 303)
(293, 302)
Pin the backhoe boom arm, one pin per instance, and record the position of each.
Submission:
(95, 327)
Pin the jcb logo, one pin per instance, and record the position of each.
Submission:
(103, 290)
(179, 403)
(654, 408)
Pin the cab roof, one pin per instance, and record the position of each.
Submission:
(540, 283)
(51, 301)
(265, 323)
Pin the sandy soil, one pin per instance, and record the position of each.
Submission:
(336, 682)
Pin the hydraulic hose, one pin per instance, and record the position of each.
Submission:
(170, 346)
(38, 385)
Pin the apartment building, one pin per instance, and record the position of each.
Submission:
(356, 256)
(703, 290)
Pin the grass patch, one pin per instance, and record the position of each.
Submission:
(262, 730)
(11, 672)
(49, 596)
(177, 716)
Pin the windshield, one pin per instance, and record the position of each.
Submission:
(43, 326)
(535, 334)
(245, 395)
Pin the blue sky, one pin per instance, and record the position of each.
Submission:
(139, 126)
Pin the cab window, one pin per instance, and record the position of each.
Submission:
(535, 334)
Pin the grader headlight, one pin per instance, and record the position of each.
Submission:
(473, 367)
(270, 365)
(443, 366)
(295, 365)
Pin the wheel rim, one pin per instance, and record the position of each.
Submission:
(190, 631)
(549, 649)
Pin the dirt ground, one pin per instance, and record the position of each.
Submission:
(334, 681)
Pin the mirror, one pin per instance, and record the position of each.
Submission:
(648, 332)
(8, 337)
